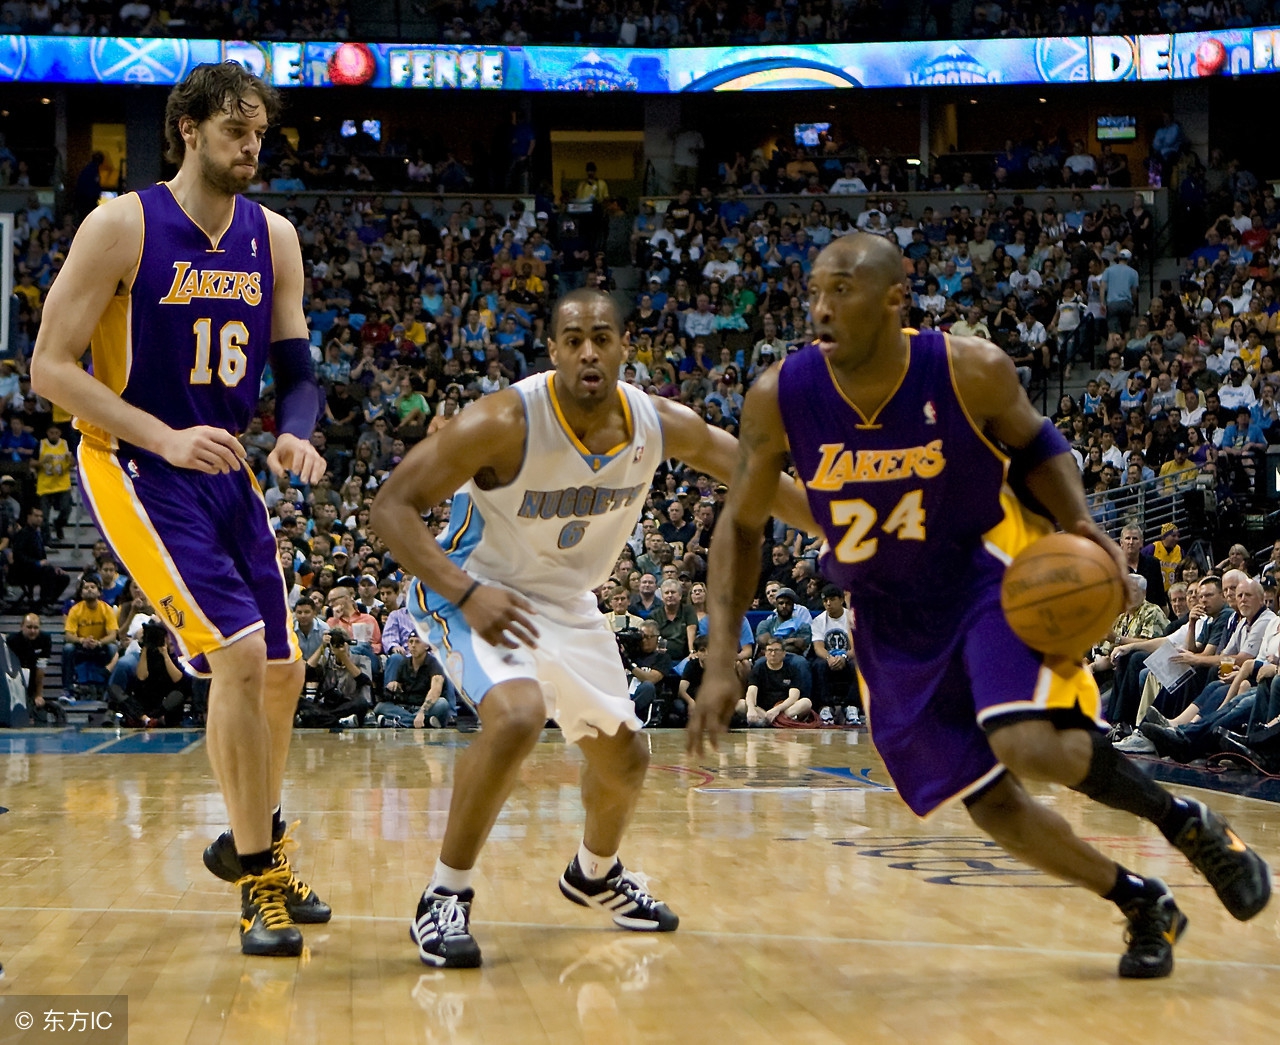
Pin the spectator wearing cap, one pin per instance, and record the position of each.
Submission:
(1166, 550)
(419, 696)
(1179, 466)
(367, 594)
(789, 622)
(676, 619)
(834, 675)
(1119, 290)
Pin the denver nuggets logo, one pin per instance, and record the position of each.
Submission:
(176, 617)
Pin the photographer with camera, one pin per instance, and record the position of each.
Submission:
(343, 691)
(418, 697)
(648, 667)
(157, 689)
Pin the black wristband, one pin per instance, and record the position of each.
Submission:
(467, 594)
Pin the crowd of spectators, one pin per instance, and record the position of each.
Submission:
(633, 23)
(195, 19)
(417, 309)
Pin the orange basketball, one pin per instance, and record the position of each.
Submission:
(1062, 594)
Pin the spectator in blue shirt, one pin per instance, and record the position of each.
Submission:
(1243, 435)
(789, 623)
(17, 444)
(1119, 293)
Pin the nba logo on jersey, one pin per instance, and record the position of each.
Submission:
(638, 454)
(132, 468)
(253, 247)
(930, 413)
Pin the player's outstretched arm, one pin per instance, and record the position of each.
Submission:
(733, 564)
(689, 438)
(990, 391)
(484, 442)
(101, 263)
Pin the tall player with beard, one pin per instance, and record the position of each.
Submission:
(185, 291)
(547, 480)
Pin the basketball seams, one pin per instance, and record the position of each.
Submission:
(1061, 594)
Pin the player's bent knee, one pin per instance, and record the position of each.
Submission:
(284, 680)
(514, 714)
(242, 664)
(1004, 813)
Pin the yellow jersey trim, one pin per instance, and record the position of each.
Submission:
(213, 240)
(593, 459)
(1002, 457)
(870, 422)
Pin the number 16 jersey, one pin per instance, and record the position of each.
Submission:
(188, 341)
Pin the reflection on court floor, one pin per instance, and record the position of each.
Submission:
(814, 907)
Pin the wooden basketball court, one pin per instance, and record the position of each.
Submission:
(814, 907)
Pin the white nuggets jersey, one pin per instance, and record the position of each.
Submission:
(555, 531)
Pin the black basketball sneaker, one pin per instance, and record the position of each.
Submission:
(265, 926)
(1155, 923)
(1239, 876)
(621, 895)
(442, 930)
(305, 907)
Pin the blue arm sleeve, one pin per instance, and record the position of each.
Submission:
(298, 399)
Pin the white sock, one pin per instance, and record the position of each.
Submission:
(594, 867)
(449, 879)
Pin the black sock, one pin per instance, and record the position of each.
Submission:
(1116, 782)
(256, 863)
(1129, 887)
(277, 823)
(1180, 811)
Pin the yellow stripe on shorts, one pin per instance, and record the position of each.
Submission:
(132, 536)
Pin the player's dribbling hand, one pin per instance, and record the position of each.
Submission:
(298, 456)
(1091, 531)
(709, 717)
(205, 448)
(501, 617)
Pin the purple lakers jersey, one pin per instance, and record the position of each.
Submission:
(904, 497)
(188, 341)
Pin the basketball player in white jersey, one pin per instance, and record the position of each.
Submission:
(548, 479)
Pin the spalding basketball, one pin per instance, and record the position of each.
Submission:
(1062, 594)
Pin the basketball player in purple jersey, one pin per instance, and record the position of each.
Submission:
(910, 446)
(186, 290)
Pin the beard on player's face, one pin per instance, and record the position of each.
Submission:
(229, 178)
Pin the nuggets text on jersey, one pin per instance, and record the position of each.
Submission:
(577, 500)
